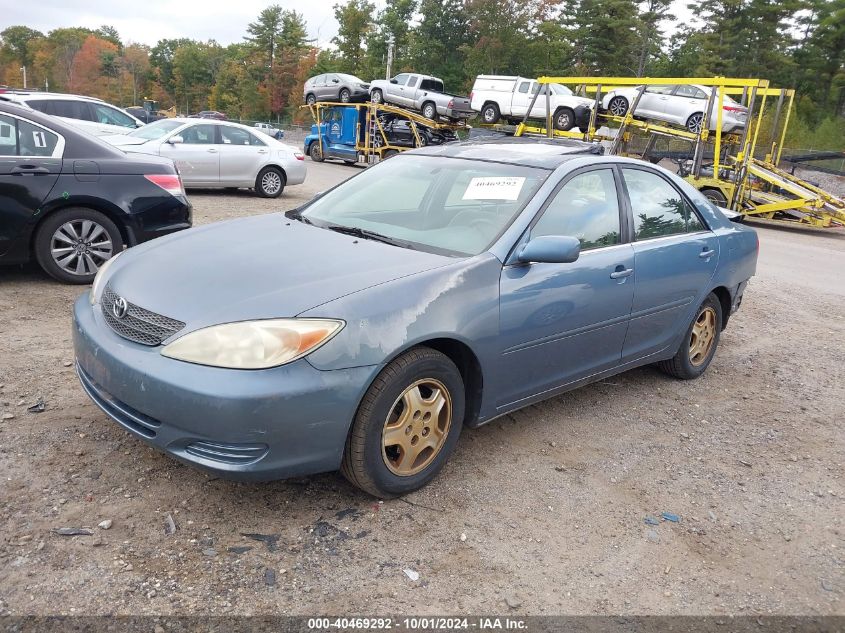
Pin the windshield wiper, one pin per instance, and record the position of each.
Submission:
(367, 235)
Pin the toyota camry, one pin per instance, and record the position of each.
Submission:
(432, 292)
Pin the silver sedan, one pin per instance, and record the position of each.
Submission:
(211, 153)
(681, 104)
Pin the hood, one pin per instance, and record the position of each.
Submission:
(260, 267)
(123, 140)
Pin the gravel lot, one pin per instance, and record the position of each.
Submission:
(541, 512)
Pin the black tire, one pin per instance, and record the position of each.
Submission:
(365, 458)
(310, 99)
(344, 95)
(46, 241)
(376, 96)
(490, 113)
(423, 139)
(316, 152)
(618, 106)
(695, 122)
(270, 182)
(429, 110)
(686, 365)
(715, 196)
(389, 153)
(564, 119)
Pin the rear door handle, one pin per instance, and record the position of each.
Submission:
(707, 254)
(262, 151)
(621, 273)
(212, 150)
(33, 170)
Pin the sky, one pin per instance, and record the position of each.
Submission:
(148, 21)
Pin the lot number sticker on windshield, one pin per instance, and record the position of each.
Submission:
(494, 188)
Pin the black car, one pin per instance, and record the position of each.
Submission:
(71, 201)
(144, 115)
(398, 131)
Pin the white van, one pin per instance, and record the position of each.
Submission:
(95, 116)
(505, 97)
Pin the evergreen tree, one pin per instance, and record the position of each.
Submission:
(354, 24)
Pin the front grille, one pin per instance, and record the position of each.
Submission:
(138, 324)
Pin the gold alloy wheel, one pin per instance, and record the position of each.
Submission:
(416, 427)
(703, 336)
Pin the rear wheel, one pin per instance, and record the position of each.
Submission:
(310, 99)
(407, 425)
(345, 96)
(564, 119)
(270, 183)
(618, 106)
(694, 123)
(715, 196)
(699, 344)
(73, 243)
(316, 152)
(376, 96)
(389, 153)
(490, 113)
(429, 110)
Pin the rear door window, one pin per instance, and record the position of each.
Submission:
(203, 134)
(658, 208)
(21, 138)
(412, 82)
(236, 136)
(690, 92)
(79, 110)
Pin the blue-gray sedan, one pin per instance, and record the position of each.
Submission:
(439, 289)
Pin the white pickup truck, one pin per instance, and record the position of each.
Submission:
(504, 97)
(420, 92)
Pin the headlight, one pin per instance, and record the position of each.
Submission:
(253, 344)
(94, 294)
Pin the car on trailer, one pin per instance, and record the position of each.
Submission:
(355, 131)
(423, 93)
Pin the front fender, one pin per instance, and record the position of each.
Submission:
(458, 301)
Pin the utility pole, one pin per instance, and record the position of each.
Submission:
(390, 42)
(23, 70)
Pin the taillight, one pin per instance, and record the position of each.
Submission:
(299, 155)
(171, 183)
(471, 95)
(734, 108)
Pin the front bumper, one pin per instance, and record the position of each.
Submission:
(257, 425)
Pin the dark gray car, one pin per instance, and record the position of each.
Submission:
(335, 87)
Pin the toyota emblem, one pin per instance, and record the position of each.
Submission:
(119, 307)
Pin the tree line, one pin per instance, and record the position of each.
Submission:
(793, 43)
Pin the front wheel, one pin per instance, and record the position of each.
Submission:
(376, 96)
(270, 183)
(316, 152)
(407, 424)
(310, 99)
(699, 344)
(618, 106)
(72, 244)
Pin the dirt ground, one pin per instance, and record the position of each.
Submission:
(541, 512)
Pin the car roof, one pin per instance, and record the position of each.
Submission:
(27, 94)
(527, 151)
(78, 144)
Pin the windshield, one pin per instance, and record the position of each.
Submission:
(557, 89)
(156, 130)
(437, 204)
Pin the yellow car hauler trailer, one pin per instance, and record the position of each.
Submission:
(755, 187)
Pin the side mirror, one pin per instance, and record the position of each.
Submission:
(335, 81)
(394, 81)
(550, 249)
(176, 140)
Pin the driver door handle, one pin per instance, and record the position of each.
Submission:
(32, 170)
(212, 150)
(621, 272)
(707, 254)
